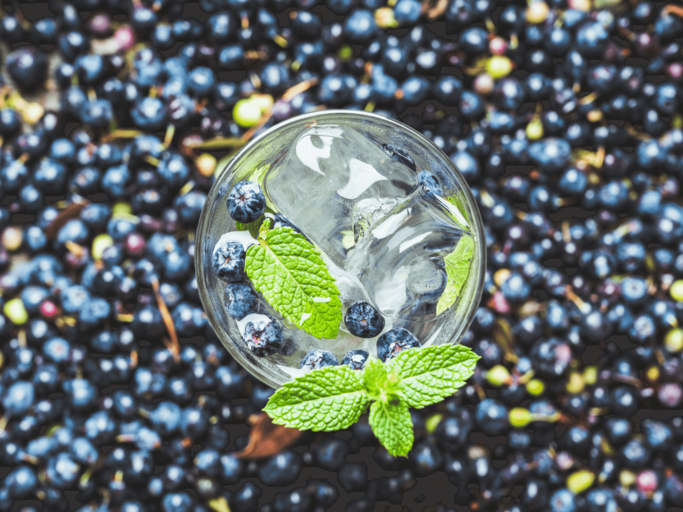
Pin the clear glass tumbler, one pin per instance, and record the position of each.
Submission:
(312, 137)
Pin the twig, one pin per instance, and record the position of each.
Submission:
(174, 345)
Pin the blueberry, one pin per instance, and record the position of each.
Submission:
(399, 155)
(363, 320)
(228, 261)
(27, 66)
(429, 184)
(282, 469)
(18, 398)
(280, 221)
(263, 335)
(395, 341)
(240, 300)
(21, 482)
(246, 202)
(355, 359)
(318, 359)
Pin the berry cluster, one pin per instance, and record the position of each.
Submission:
(563, 115)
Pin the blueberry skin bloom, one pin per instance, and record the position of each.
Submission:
(263, 336)
(395, 341)
(246, 202)
(240, 300)
(356, 359)
(228, 262)
(318, 359)
(363, 320)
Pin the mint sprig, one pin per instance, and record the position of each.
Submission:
(457, 269)
(334, 397)
(288, 270)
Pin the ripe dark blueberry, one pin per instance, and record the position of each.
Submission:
(395, 341)
(363, 320)
(280, 221)
(18, 398)
(98, 113)
(318, 359)
(492, 417)
(429, 185)
(246, 202)
(399, 155)
(173, 170)
(280, 470)
(355, 359)
(263, 335)
(246, 497)
(73, 44)
(27, 66)
(240, 300)
(10, 122)
(324, 494)
(149, 113)
(360, 27)
(425, 458)
(228, 262)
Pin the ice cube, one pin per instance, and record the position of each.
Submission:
(329, 171)
(362, 177)
(369, 213)
(426, 280)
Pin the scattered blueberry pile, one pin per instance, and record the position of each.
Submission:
(565, 118)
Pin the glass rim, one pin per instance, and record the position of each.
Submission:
(205, 223)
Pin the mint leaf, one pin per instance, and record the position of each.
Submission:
(259, 175)
(331, 398)
(381, 384)
(252, 227)
(457, 268)
(392, 425)
(288, 270)
(430, 374)
(455, 206)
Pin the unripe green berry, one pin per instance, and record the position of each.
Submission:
(246, 113)
(535, 387)
(520, 417)
(673, 342)
(676, 290)
(580, 481)
(498, 375)
(16, 312)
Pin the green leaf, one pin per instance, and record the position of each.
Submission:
(288, 270)
(381, 384)
(430, 374)
(455, 205)
(457, 268)
(259, 175)
(330, 398)
(392, 425)
(252, 227)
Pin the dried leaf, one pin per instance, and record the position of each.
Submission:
(502, 334)
(434, 12)
(174, 345)
(70, 212)
(267, 439)
(297, 89)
